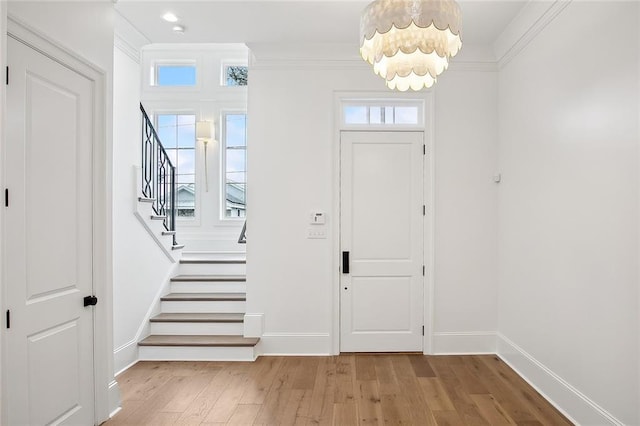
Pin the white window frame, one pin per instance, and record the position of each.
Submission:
(419, 103)
(223, 165)
(195, 220)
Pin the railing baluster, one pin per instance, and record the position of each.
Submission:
(158, 175)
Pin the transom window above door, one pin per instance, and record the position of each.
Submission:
(382, 113)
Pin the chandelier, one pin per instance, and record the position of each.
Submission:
(409, 42)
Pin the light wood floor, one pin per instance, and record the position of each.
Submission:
(342, 390)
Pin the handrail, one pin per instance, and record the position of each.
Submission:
(242, 239)
(158, 175)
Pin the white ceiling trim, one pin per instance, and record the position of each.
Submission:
(532, 19)
(128, 38)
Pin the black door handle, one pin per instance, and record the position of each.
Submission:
(90, 301)
(345, 262)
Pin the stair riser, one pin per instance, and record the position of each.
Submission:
(188, 353)
(190, 328)
(208, 287)
(213, 269)
(205, 306)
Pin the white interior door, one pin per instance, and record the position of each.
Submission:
(382, 302)
(48, 245)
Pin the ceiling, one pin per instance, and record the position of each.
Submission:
(301, 21)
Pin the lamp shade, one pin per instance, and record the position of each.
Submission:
(409, 42)
(204, 130)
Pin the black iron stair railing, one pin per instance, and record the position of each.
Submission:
(158, 175)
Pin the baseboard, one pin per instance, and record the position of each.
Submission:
(253, 325)
(576, 406)
(289, 344)
(464, 343)
(125, 356)
(115, 404)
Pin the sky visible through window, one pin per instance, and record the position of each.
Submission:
(175, 75)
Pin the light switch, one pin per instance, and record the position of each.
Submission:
(316, 232)
(317, 218)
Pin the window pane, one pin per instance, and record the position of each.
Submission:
(236, 160)
(186, 131)
(236, 130)
(176, 75)
(237, 75)
(236, 177)
(235, 200)
(186, 161)
(186, 196)
(184, 179)
(355, 115)
(406, 115)
(166, 130)
(375, 115)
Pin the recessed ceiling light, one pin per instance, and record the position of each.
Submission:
(178, 29)
(170, 17)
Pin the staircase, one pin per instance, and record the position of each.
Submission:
(202, 318)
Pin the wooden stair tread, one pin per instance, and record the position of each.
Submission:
(198, 318)
(204, 297)
(211, 341)
(213, 261)
(209, 278)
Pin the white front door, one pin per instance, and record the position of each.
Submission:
(382, 296)
(48, 244)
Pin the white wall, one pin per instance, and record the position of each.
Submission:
(568, 245)
(292, 137)
(466, 228)
(85, 29)
(141, 269)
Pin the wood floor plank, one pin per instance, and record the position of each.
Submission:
(345, 390)
(421, 366)
(491, 410)
(540, 408)
(260, 380)
(365, 367)
(368, 402)
(322, 398)
(386, 376)
(278, 395)
(345, 414)
(244, 414)
(345, 378)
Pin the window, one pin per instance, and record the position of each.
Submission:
(177, 132)
(235, 165)
(236, 75)
(382, 115)
(174, 75)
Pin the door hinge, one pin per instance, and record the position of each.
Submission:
(7, 76)
(424, 270)
(424, 210)
(6, 197)
(424, 150)
(8, 318)
(423, 330)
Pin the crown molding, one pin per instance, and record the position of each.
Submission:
(128, 39)
(532, 19)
